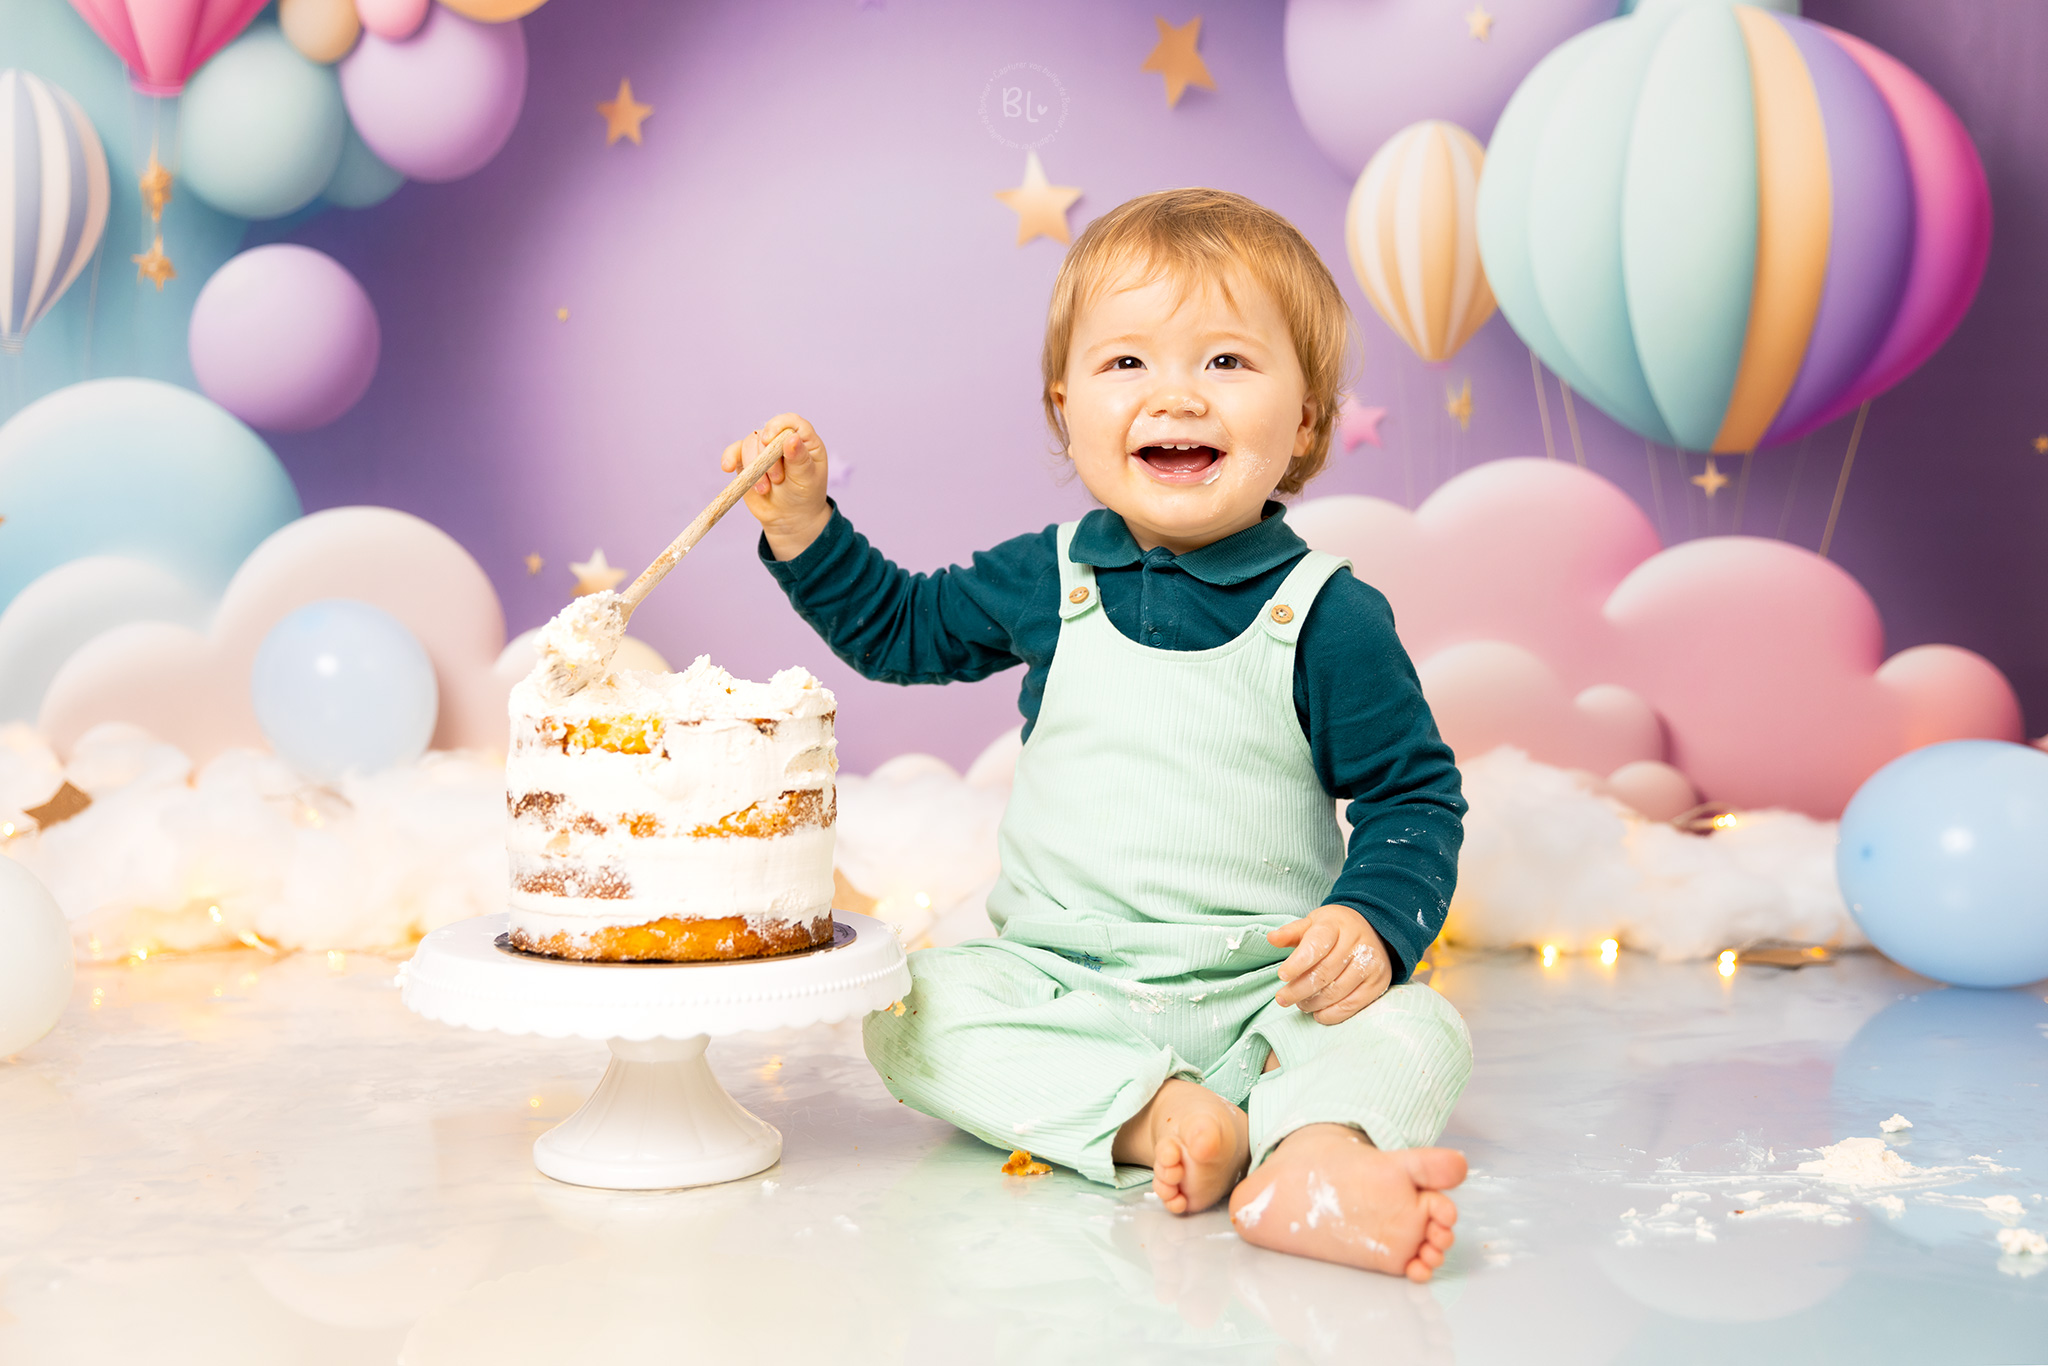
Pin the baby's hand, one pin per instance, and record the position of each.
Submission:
(1339, 965)
(789, 501)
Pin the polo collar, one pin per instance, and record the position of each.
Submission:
(1103, 541)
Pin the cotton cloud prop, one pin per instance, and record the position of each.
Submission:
(54, 616)
(241, 849)
(1551, 859)
(191, 688)
(1763, 662)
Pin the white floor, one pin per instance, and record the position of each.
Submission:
(229, 1158)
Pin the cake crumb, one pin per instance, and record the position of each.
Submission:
(1020, 1164)
(895, 1008)
(2022, 1242)
(1895, 1123)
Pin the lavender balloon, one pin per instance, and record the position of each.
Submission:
(439, 104)
(1362, 70)
(284, 338)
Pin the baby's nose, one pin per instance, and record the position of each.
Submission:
(1176, 403)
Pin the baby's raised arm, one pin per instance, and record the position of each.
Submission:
(789, 502)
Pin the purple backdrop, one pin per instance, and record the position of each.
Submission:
(810, 225)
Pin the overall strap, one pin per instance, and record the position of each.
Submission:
(1078, 593)
(1287, 609)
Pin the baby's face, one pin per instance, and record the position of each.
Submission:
(1183, 409)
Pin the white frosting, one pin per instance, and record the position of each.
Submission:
(582, 638)
(719, 746)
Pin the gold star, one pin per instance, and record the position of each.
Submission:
(1479, 23)
(624, 115)
(2041, 443)
(1713, 481)
(533, 564)
(154, 265)
(1176, 59)
(594, 575)
(1041, 208)
(156, 187)
(1458, 403)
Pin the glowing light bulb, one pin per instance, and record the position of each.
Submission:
(7, 831)
(1727, 820)
(99, 995)
(924, 903)
(1609, 951)
(1550, 955)
(1727, 967)
(335, 960)
(214, 912)
(533, 1101)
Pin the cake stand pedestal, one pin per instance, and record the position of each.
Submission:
(659, 1119)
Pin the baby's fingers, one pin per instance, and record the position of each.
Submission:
(732, 459)
(1322, 986)
(1354, 1001)
(1316, 943)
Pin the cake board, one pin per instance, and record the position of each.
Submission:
(659, 1119)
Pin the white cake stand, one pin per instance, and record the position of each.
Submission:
(659, 1119)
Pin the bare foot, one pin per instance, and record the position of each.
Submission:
(1327, 1192)
(1195, 1142)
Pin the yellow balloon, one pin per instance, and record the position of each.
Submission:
(323, 31)
(493, 11)
(1411, 235)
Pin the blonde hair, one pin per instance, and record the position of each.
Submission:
(1202, 236)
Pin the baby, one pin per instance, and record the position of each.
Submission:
(1191, 974)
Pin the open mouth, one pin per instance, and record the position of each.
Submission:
(1181, 464)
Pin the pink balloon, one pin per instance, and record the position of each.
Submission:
(1951, 225)
(284, 338)
(163, 41)
(393, 19)
(440, 104)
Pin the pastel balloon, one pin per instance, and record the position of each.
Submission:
(284, 338)
(261, 127)
(396, 20)
(1410, 235)
(1361, 70)
(322, 30)
(341, 687)
(35, 959)
(48, 621)
(162, 42)
(197, 489)
(1715, 221)
(439, 105)
(1943, 860)
(361, 179)
(53, 196)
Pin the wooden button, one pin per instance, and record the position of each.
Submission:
(1282, 613)
(1078, 595)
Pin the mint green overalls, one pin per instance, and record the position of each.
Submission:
(1166, 815)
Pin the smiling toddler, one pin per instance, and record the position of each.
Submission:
(1193, 981)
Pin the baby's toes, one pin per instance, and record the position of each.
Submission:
(1419, 1270)
(1430, 1255)
(1439, 1209)
(1438, 1237)
(1166, 1162)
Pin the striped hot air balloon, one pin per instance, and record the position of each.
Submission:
(53, 199)
(1412, 241)
(1728, 226)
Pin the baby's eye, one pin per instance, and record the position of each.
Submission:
(1127, 363)
(1227, 363)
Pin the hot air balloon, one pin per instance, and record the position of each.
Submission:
(1411, 237)
(164, 41)
(53, 199)
(1728, 226)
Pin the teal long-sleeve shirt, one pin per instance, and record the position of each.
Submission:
(1370, 734)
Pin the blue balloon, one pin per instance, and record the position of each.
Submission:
(262, 127)
(140, 469)
(342, 687)
(1943, 860)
